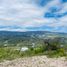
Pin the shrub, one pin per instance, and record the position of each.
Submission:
(38, 50)
(56, 53)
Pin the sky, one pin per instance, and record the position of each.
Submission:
(33, 15)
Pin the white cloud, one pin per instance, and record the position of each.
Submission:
(24, 13)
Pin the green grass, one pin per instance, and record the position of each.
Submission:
(10, 53)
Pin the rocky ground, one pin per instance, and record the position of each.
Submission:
(36, 61)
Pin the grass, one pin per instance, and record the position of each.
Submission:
(10, 53)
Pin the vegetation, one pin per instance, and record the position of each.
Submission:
(9, 53)
(37, 44)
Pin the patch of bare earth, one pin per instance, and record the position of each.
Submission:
(36, 61)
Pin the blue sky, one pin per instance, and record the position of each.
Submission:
(31, 15)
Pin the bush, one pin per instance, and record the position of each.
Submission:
(8, 53)
(38, 50)
(56, 53)
(61, 52)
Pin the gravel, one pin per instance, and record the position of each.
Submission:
(36, 61)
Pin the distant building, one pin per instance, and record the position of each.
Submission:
(33, 45)
(6, 43)
(61, 45)
(24, 49)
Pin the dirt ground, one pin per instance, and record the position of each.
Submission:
(36, 61)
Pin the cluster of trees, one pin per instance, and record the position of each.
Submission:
(53, 47)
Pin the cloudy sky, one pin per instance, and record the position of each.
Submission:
(28, 15)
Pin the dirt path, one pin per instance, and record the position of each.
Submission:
(37, 61)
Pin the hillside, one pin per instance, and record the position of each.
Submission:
(36, 61)
(12, 38)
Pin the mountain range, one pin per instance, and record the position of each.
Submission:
(13, 38)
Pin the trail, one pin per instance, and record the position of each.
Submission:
(36, 61)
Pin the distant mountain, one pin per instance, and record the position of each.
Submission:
(14, 33)
(28, 37)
